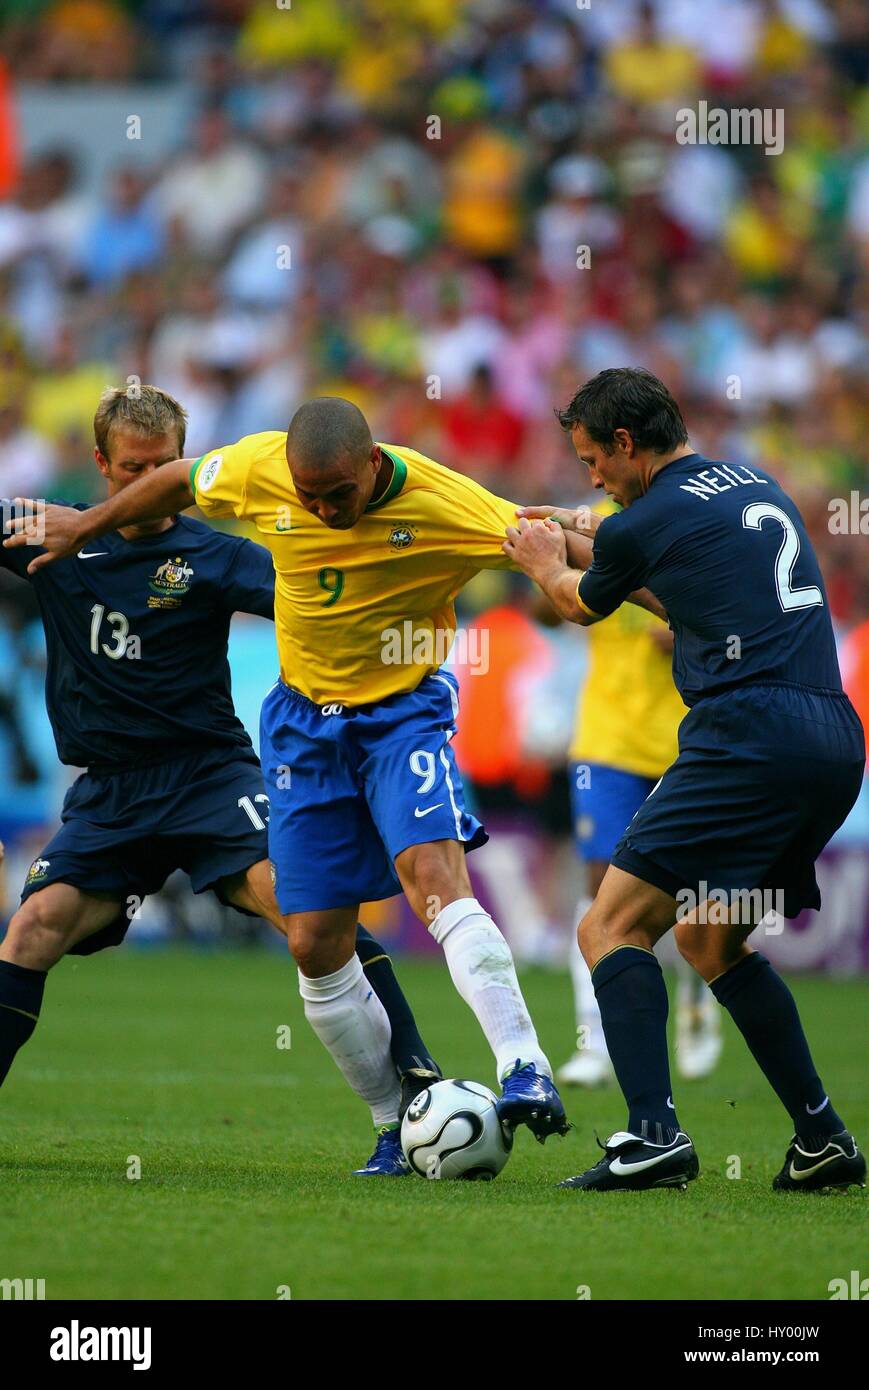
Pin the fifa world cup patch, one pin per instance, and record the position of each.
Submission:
(208, 473)
(169, 583)
(401, 536)
(37, 871)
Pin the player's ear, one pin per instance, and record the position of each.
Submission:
(102, 463)
(624, 442)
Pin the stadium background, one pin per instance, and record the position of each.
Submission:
(248, 204)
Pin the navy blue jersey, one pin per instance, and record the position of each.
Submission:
(726, 551)
(136, 633)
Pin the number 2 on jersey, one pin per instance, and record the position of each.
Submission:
(753, 517)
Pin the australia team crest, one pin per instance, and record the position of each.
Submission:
(169, 583)
(37, 871)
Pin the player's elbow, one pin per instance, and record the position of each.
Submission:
(580, 615)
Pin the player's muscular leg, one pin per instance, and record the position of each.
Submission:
(710, 942)
(252, 890)
(435, 879)
(433, 876)
(627, 911)
(52, 921)
(322, 942)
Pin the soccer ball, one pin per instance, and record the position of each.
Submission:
(452, 1130)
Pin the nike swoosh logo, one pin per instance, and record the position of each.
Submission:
(798, 1174)
(91, 554)
(670, 1103)
(427, 812)
(818, 1108)
(617, 1166)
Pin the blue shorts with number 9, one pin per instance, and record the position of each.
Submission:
(350, 788)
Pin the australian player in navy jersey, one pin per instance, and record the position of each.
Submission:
(771, 758)
(138, 693)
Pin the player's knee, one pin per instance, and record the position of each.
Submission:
(38, 934)
(301, 946)
(432, 874)
(689, 945)
(591, 937)
(315, 955)
(710, 955)
(600, 932)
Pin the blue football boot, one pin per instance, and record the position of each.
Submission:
(388, 1160)
(530, 1098)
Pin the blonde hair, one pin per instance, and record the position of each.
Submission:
(146, 409)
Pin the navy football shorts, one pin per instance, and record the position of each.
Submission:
(765, 776)
(125, 833)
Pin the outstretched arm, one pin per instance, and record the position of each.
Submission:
(543, 551)
(63, 530)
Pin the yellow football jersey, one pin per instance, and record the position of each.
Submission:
(366, 613)
(629, 710)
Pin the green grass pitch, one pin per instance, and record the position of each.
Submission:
(246, 1148)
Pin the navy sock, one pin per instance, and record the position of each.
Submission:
(764, 1011)
(20, 1002)
(407, 1047)
(633, 1004)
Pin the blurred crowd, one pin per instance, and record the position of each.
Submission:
(451, 211)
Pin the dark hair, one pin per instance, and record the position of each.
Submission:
(327, 427)
(626, 398)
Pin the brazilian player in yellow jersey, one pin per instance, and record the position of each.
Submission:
(626, 736)
(347, 579)
(368, 541)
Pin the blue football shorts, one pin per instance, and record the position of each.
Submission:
(352, 787)
(603, 801)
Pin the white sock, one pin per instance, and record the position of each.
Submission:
(692, 992)
(353, 1026)
(589, 1029)
(483, 972)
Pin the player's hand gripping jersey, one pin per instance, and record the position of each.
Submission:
(347, 603)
